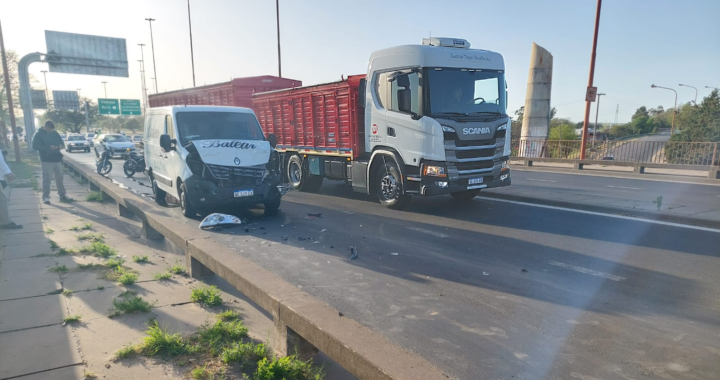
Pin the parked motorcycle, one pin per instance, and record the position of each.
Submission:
(103, 164)
(135, 163)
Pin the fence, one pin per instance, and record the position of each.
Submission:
(651, 152)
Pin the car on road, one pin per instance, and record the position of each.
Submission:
(114, 143)
(77, 142)
(89, 137)
(137, 140)
(64, 137)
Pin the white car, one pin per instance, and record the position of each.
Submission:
(116, 144)
(77, 142)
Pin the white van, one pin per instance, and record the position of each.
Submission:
(208, 157)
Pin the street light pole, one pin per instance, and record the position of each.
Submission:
(714, 88)
(277, 14)
(672, 126)
(597, 112)
(696, 91)
(105, 87)
(45, 78)
(192, 55)
(142, 71)
(152, 45)
(143, 90)
(586, 121)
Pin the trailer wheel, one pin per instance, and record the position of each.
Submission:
(389, 186)
(465, 195)
(299, 177)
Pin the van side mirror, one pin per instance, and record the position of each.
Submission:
(166, 143)
(272, 139)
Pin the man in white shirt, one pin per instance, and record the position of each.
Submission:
(6, 176)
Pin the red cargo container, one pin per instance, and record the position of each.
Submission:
(324, 119)
(237, 92)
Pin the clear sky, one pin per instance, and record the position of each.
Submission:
(641, 42)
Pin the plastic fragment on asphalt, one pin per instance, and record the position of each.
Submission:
(353, 252)
(486, 274)
(219, 220)
(323, 230)
(394, 253)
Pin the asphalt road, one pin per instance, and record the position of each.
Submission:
(642, 149)
(493, 290)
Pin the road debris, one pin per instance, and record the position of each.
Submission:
(220, 220)
(486, 274)
(323, 230)
(353, 252)
(284, 238)
(314, 216)
(340, 314)
(524, 270)
(394, 253)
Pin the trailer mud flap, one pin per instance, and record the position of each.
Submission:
(358, 176)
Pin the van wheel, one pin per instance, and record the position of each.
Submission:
(187, 208)
(389, 186)
(299, 178)
(465, 195)
(272, 208)
(158, 193)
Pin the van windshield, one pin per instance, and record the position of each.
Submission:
(194, 126)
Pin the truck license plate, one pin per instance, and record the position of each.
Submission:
(475, 181)
(243, 193)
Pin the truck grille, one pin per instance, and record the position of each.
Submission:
(465, 166)
(470, 157)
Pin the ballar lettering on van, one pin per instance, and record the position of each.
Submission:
(228, 144)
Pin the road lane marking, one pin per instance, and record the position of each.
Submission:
(624, 187)
(540, 180)
(433, 233)
(671, 224)
(587, 271)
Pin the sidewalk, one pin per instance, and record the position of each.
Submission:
(40, 286)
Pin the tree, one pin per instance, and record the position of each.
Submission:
(562, 132)
(72, 121)
(701, 123)
(516, 125)
(642, 111)
(553, 112)
(132, 124)
(620, 130)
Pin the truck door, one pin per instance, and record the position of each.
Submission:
(377, 100)
(404, 130)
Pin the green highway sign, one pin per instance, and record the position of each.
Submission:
(130, 107)
(109, 106)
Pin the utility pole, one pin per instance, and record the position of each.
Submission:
(152, 45)
(152, 79)
(105, 87)
(192, 56)
(45, 78)
(586, 121)
(11, 108)
(142, 71)
(617, 111)
(142, 85)
(672, 126)
(277, 14)
(696, 91)
(87, 118)
(597, 112)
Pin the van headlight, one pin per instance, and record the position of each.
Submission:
(434, 171)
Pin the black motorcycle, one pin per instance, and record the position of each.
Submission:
(135, 163)
(104, 166)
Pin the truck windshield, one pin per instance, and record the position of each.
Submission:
(466, 92)
(195, 126)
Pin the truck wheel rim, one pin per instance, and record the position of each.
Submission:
(388, 186)
(295, 173)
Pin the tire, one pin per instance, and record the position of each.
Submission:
(299, 177)
(272, 208)
(188, 210)
(87, 150)
(68, 150)
(130, 168)
(158, 193)
(105, 167)
(389, 188)
(465, 195)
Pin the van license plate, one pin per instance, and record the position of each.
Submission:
(475, 181)
(243, 193)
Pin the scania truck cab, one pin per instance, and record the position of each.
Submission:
(436, 122)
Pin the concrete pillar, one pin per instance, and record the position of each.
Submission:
(536, 117)
(94, 187)
(197, 269)
(287, 342)
(150, 233)
(124, 212)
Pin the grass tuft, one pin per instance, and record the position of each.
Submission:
(228, 315)
(177, 269)
(125, 352)
(208, 296)
(58, 269)
(129, 305)
(244, 352)
(67, 292)
(162, 276)
(161, 342)
(89, 375)
(98, 249)
(289, 367)
(200, 373)
(115, 263)
(49, 231)
(220, 334)
(94, 238)
(72, 318)
(127, 293)
(127, 279)
(84, 227)
(95, 196)
(140, 259)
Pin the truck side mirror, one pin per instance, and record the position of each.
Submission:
(272, 139)
(361, 92)
(166, 143)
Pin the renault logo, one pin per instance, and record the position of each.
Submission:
(237, 161)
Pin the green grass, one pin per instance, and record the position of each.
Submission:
(54, 245)
(161, 342)
(95, 196)
(289, 367)
(140, 259)
(24, 170)
(127, 279)
(177, 269)
(95, 238)
(89, 375)
(220, 334)
(128, 305)
(49, 231)
(127, 293)
(72, 318)
(84, 227)
(228, 315)
(244, 352)
(126, 352)
(58, 269)
(100, 287)
(208, 296)
(98, 249)
(200, 373)
(162, 276)
(67, 292)
(115, 262)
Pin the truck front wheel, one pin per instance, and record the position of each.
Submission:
(299, 177)
(465, 195)
(389, 186)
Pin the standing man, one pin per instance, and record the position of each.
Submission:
(6, 176)
(48, 144)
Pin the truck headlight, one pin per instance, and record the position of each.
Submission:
(445, 128)
(505, 166)
(503, 127)
(434, 171)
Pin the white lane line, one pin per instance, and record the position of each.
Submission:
(671, 224)
(433, 233)
(540, 180)
(623, 187)
(587, 271)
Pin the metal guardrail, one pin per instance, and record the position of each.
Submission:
(637, 154)
(303, 324)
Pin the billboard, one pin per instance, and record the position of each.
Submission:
(38, 99)
(85, 54)
(66, 100)
(130, 107)
(108, 107)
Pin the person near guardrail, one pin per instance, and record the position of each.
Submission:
(48, 144)
(6, 176)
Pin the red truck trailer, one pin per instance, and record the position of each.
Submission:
(237, 92)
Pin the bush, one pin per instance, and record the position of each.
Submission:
(287, 368)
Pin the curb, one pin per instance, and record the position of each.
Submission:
(679, 219)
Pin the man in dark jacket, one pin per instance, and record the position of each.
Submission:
(48, 144)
